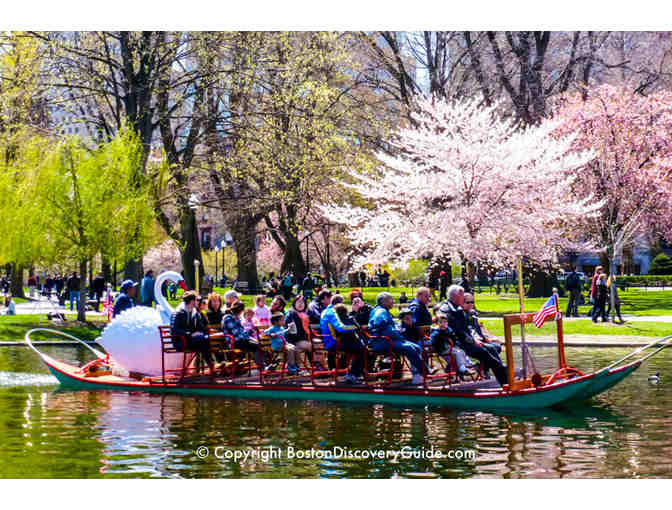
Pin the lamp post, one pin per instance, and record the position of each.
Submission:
(196, 264)
(216, 251)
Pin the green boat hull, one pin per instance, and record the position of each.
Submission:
(495, 400)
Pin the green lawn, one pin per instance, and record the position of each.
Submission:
(586, 327)
(14, 327)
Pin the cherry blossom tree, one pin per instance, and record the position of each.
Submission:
(465, 181)
(632, 173)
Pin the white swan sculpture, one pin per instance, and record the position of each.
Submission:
(132, 337)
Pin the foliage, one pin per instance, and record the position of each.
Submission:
(466, 182)
(661, 265)
(632, 171)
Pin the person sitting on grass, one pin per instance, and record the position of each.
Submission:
(381, 324)
(277, 333)
(442, 338)
(188, 330)
(9, 305)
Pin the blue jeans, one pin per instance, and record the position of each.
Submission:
(74, 296)
(412, 351)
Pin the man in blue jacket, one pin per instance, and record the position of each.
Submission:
(418, 308)
(147, 289)
(330, 327)
(381, 324)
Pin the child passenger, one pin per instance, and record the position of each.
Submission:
(277, 333)
(441, 339)
(261, 312)
(248, 323)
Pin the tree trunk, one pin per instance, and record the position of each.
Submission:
(244, 231)
(133, 270)
(542, 283)
(106, 268)
(81, 309)
(191, 250)
(16, 275)
(292, 259)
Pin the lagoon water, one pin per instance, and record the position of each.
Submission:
(46, 432)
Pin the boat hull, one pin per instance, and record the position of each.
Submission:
(549, 396)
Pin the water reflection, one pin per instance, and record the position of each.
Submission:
(48, 432)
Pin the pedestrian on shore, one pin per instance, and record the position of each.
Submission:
(72, 287)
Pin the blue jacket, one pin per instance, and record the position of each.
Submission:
(147, 292)
(123, 302)
(330, 325)
(421, 316)
(381, 323)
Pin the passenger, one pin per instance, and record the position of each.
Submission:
(261, 312)
(418, 307)
(277, 333)
(361, 311)
(382, 324)
(231, 325)
(278, 305)
(124, 300)
(185, 325)
(441, 339)
(477, 329)
(457, 321)
(215, 314)
(299, 334)
(317, 306)
(248, 323)
(202, 312)
(339, 335)
(230, 297)
(410, 331)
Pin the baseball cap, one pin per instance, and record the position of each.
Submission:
(127, 284)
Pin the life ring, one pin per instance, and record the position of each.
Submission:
(564, 373)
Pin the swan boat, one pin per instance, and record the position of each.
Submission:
(118, 370)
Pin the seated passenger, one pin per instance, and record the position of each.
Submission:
(249, 323)
(298, 335)
(478, 330)
(124, 300)
(350, 341)
(418, 307)
(361, 311)
(457, 321)
(278, 305)
(277, 333)
(335, 337)
(408, 330)
(188, 329)
(382, 324)
(231, 325)
(261, 312)
(441, 339)
(317, 306)
(214, 313)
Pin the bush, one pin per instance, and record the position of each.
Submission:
(661, 265)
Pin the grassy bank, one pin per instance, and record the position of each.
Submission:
(13, 328)
(586, 327)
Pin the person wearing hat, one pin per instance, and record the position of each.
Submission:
(124, 300)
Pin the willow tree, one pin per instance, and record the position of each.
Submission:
(95, 201)
(22, 117)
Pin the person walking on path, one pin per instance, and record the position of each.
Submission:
(72, 286)
(147, 297)
(601, 296)
(98, 288)
(593, 289)
(573, 284)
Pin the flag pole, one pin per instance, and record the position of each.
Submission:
(521, 297)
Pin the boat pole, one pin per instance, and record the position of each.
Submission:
(523, 345)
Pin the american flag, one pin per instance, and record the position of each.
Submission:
(550, 309)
